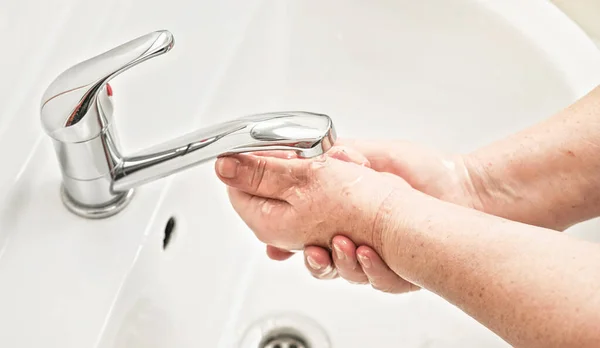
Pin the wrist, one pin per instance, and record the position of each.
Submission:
(546, 190)
(478, 184)
(502, 191)
(398, 217)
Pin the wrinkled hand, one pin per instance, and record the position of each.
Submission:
(444, 177)
(292, 203)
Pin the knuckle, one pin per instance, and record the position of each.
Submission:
(258, 173)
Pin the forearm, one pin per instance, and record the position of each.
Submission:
(533, 289)
(547, 175)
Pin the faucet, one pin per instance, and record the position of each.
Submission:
(98, 181)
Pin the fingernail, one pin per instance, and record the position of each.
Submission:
(227, 167)
(328, 273)
(365, 261)
(338, 252)
(313, 264)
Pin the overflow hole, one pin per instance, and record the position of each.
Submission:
(169, 230)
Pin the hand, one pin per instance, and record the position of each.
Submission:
(318, 261)
(438, 175)
(435, 173)
(292, 203)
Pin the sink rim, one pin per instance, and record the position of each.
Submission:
(553, 31)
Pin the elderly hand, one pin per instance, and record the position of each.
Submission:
(441, 176)
(293, 203)
(426, 170)
(429, 171)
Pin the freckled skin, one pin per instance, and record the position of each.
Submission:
(546, 175)
(411, 223)
(314, 208)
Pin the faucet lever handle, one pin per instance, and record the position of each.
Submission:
(75, 92)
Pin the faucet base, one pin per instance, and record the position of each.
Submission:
(96, 212)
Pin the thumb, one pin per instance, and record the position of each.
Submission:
(263, 176)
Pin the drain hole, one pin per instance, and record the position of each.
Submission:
(283, 340)
(169, 230)
(285, 330)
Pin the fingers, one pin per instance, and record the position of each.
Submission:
(272, 174)
(321, 265)
(277, 254)
(347, 154)
(380, 275)
(263, 176)
(318, 262)
(378, 153)
(344, 258)
(342, 153)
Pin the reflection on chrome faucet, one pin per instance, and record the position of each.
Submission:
(98, 181)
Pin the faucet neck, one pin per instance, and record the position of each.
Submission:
(99, 181)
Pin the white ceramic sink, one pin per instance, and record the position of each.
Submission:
(453, 74)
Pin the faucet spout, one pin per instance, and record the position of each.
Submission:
(77, 113)
(308, 134)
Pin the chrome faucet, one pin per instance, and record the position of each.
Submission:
(98, 181)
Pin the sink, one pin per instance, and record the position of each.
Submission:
(177, 267)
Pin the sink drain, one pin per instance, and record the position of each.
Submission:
(285, 341)
(285, 330)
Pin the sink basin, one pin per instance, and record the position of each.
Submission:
(178, 268)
